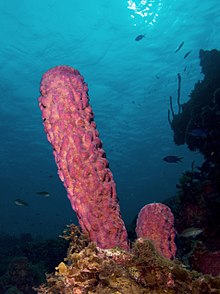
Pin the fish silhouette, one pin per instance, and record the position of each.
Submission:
(172, 159)
(187, 54)
(139, 37)
(180, 46)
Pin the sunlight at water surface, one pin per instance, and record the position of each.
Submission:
(145, 10)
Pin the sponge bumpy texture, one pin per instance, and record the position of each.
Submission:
(82, 164)
(156, 222)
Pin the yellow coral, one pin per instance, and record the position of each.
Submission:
(62, 269)
(143, 270)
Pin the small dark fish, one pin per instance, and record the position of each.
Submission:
(20, 202)
(187, 54)
(180, 46)
(139, 37)
(44, 193)
(198, 133)
(172, 159)
(191, 232)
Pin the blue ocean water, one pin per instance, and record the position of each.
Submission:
(129, 86)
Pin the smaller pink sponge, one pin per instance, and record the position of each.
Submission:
(156, 223)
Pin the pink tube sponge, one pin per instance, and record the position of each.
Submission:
(156, 222)
(82, 165)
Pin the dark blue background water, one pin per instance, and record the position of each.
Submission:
(129, 85)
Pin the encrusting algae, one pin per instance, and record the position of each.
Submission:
(89, 269)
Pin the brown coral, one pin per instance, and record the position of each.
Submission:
(114, 271)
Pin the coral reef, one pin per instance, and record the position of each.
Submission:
(197, 122)
(205, 261)
(156, 222)
(197, 204)
(82, 164)
(142, 270)
(197, 221)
